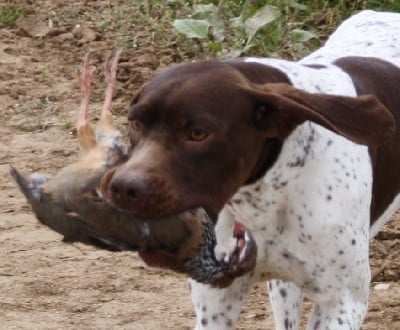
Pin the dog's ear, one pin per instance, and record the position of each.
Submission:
(281, 107)
(136, 97)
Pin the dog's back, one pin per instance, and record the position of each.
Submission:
(367, 48)
(366, 34)
(361, 57)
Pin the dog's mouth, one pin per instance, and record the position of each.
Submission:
(157, 200)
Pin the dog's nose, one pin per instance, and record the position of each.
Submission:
(128, 193)
(120, 190)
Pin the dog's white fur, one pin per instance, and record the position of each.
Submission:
(326, 200)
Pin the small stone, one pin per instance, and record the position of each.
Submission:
(382, 286)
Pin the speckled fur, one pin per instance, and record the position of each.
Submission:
(310, 213)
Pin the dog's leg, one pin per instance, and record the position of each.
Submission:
(216, 308)
(286, 299)
(219, 309)
(346, 313)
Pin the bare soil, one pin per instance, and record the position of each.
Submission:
(47, 284)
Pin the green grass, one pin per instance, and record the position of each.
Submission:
(8, 15)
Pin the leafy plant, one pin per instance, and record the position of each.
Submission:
(292, 28)
(211, 26)
(193, 28)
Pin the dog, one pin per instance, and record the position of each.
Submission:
(305, 154)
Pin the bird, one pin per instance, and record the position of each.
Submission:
(71, 204)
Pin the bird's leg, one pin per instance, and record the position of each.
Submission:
(110, 72)
(85, 132)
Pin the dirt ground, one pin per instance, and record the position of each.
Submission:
(46, 284)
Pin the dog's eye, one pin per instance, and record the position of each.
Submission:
(135, 125)
(264, 117)
(197, 134)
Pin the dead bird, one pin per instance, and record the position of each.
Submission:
(184, 243)
(70, 203)
(102, 148)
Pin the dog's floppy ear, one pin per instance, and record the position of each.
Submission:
(281, 107)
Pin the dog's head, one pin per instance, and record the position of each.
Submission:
(199, 131)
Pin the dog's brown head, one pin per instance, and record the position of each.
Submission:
(199, 131)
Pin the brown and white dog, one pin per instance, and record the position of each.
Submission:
(305, 154)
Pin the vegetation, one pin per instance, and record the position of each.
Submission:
(8, 15)
(227, 28)
(217, 28)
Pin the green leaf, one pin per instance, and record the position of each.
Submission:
(296, 5)
(192, 28)
(298, 35)
(261, 18)
(210, 13)
(218, 31)
(236, 22)
(206, 10)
